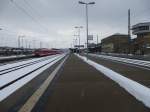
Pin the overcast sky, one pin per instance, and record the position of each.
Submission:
(52, 21)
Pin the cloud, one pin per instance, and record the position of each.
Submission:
(53, 21)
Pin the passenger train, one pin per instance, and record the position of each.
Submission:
(47, 52)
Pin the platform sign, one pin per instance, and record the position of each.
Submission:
(77, 46)
(90, 37)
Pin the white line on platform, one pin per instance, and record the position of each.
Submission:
(29, 105)
(139, 91)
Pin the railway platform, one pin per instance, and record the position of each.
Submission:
(81, 88)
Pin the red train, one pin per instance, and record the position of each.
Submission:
(47, 52)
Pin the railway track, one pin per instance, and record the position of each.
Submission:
(19, 73)
(12, 59)
(14, 68)
(141, 63)
(16, 61)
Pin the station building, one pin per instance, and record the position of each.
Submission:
(117, 43)
(141, 44)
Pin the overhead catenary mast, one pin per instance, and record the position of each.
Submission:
(129, 24)
(129, 29)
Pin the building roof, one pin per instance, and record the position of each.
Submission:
(141, 24)
(116, 34)
(141, 28)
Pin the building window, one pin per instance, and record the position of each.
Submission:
(143, 28)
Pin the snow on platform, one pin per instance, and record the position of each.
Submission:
(139, 91)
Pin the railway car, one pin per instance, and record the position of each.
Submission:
(46, 52)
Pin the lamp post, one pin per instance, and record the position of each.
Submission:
(2, 42)
(79, 28)
(34, 44)
(41, 44)
(75, 42)
(19, 43)
(87, 30)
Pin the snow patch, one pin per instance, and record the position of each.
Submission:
(4, 93)
(139, 91)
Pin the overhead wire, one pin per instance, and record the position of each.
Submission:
(31, 7)
(29, 15)
(35, 12)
